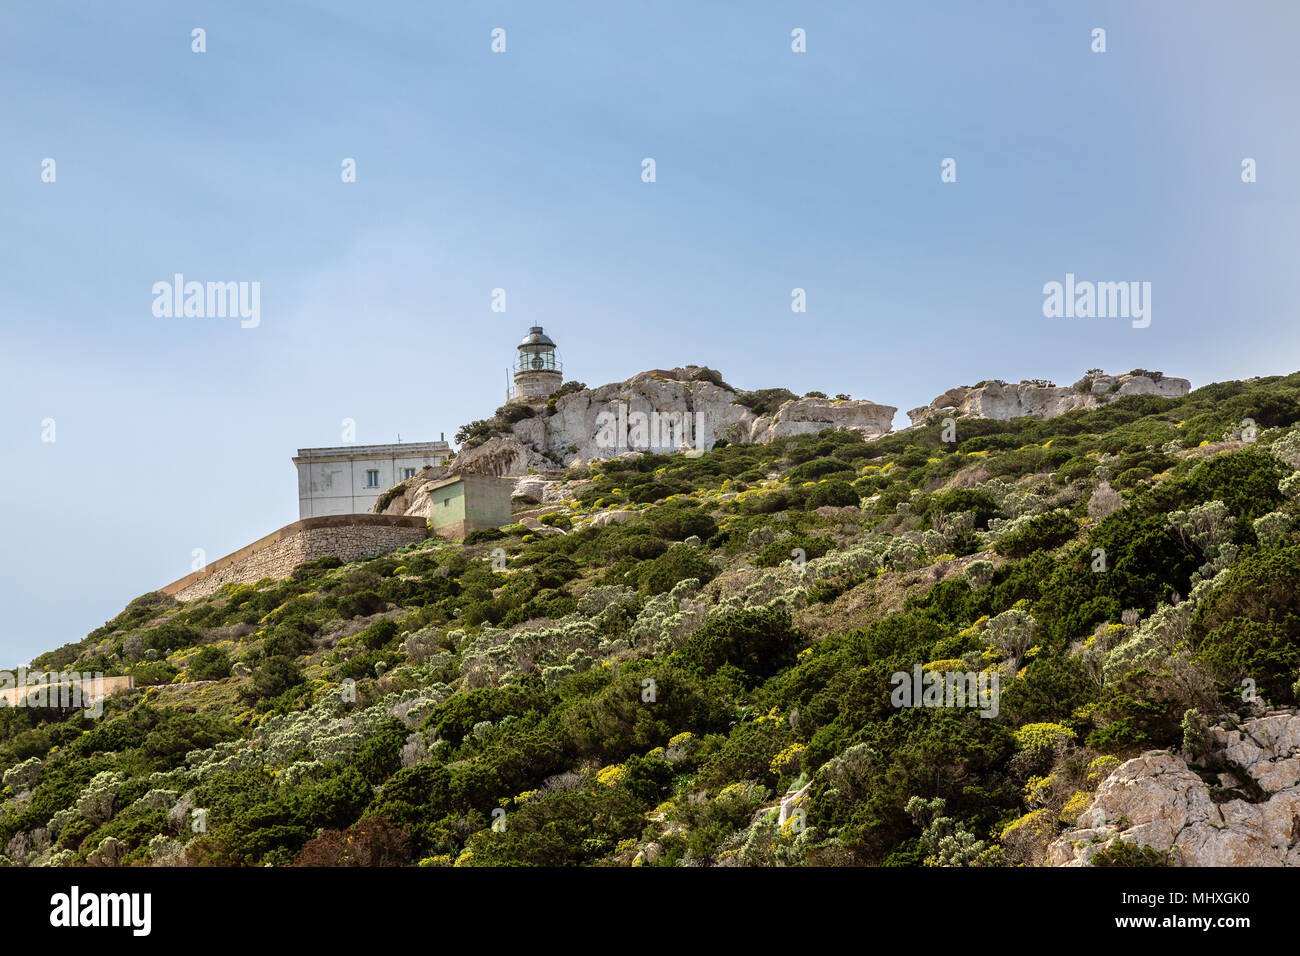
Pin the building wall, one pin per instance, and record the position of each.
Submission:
(349, 537)
(447, 504)
(469, 503)
(336, 484)
(537, 384)
(487, 501)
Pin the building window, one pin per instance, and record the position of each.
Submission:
(372, 478)
(446, 502)
(408, 473)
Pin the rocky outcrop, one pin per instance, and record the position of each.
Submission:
(1039, 399)
(1250, 817)
(804, 416)
(692, 408)
(657, 411)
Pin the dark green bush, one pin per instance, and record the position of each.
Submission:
(783, 550)
(676, 564)
(210, 663)
(832, 492)
(757, 642)
(1043, 533)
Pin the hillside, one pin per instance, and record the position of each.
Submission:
(692, 659)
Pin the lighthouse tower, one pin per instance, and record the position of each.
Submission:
(538, 372)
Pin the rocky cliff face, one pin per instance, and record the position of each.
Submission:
(681, 409)
(660, 410)
(1250, 816)
(692, 408)
(1039, 399)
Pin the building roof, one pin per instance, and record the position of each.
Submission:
(396, 450)
(536, 336)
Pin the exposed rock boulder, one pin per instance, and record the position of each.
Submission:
(804, 416)
(687, 408)
(1039, 399)
(536, 488)
(602, 518)
(1252, 818)
(497, 456)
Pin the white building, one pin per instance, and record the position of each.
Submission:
(349, 479)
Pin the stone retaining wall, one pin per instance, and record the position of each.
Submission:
(348, 537)
(57, 685)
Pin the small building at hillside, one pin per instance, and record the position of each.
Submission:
(349, 479)
(463, 504)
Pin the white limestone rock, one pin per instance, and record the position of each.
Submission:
(602, 518)
(803, 416)
(1001, 400)
(568, 434)
(1155, 800)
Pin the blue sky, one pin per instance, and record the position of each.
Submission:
(522, 171)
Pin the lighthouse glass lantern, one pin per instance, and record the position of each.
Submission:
(536, 352)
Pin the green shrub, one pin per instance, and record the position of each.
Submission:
(272, 677)
(678, 563)
(210, 663)
(756, 642)
(678, 524)
(1043, 533)
(833, 493)
(377, 635)
(819, 468)
(1249, 627)
(1123, 853)
(778, 552)
(764, 401)
(966, 499)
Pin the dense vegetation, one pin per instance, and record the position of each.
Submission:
(646, 691)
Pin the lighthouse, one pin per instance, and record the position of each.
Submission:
(538, 372)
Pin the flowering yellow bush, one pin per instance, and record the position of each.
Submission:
(745, 791)
(787, 760)
(1036, 821)
(612, 776)
(1037, 788)
(1101, 768)
(1074, 807)
(1042, 736)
